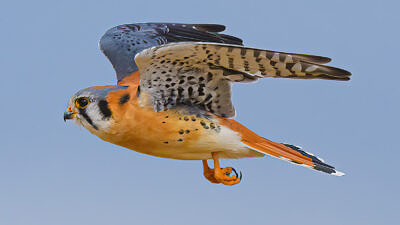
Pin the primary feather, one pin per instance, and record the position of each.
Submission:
(120, 44)
(200, 74)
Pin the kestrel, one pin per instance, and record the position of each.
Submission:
(173, 95)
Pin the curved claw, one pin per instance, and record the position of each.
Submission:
(233, 169)
(240, 176)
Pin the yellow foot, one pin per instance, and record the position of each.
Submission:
(220, 175)
(223, 176)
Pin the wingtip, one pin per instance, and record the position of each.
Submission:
(321, 59)
(215, 28)
(334, 73)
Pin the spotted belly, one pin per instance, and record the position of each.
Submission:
(172, 134)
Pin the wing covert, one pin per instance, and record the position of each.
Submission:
(120, 44)
(200, 74)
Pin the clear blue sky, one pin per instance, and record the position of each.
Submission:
(57, 173)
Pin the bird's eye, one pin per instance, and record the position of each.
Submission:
(82, 102)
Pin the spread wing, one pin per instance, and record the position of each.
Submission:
(121, 43)
(194, 73)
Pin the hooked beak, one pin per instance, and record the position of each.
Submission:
(68, 114)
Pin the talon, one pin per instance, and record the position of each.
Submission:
(220, 175)
(233, 169)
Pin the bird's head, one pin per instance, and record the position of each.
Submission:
(89, 107)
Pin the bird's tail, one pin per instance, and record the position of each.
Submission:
(287, 152)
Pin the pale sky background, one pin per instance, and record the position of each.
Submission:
(55, 173)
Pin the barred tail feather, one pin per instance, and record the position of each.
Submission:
(287, 152)
(293, 154)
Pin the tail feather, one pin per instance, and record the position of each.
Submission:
(293, 154)
(287, 152)
(319, 164)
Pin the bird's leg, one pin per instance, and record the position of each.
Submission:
(218, 174)
(209, 173)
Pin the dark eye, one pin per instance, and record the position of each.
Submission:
(82, 102)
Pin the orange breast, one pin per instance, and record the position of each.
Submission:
(167, 134)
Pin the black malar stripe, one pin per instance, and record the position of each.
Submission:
(87, 118)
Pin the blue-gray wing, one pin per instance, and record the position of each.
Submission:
(121, 43)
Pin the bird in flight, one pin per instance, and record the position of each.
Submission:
(173, 95)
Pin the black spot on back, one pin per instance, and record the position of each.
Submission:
(124, 99)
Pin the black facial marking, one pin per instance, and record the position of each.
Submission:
(124, 99)
(87, 118)
(137, 92)
(103, 106)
